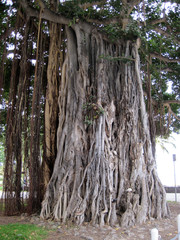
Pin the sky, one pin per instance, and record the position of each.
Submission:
(165, 164)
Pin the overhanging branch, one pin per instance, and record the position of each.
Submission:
(153, 22)
(168, 35)
(165, 59)
(156, 21)
(91, 4)
(105, 21)
(132, 4)
(47, 14)
(171, 102)
(170, 111)
(168, 70)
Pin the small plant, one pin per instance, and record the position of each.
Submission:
(88, 121)
(92, 110)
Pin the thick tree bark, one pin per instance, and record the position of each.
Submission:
(105, 169)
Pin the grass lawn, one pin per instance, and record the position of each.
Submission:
(22, 232)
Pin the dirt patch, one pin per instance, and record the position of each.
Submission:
(167, 228)
(12, 219)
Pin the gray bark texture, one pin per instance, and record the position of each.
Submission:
(105, 171)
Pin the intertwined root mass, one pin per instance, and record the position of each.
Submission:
(104, 170)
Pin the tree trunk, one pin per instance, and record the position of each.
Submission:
(35, 191)
(104, 170)
(51, 106)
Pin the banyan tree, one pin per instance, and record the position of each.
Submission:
(84, 109)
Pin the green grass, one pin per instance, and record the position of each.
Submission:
(22, 232)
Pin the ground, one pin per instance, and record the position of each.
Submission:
(167, 228)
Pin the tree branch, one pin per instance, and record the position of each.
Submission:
(171, 101)
(156, 21)
(159, 30)
(170, 110)
(168, 70)
(105, 21)
(165, 59)
(132, 4)
(153, 22)
(47, 14)
(91, 4)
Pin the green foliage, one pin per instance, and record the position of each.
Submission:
(74, 11)
(22, 232)
(88, 120)
(113, 31)
(116, 6)
(164, 74)
(71, 10)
